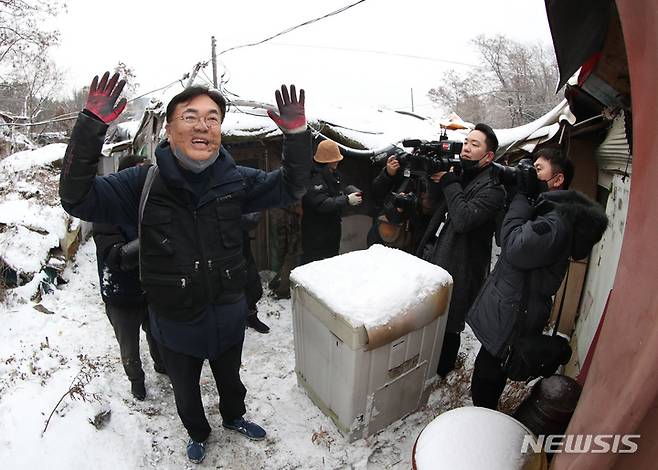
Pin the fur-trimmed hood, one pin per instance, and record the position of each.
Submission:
(586, 217)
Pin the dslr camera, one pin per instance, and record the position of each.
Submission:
(522, 177)
(404, 201)
(429, 157)
(510, 175)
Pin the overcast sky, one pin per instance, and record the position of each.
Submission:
(332, 59)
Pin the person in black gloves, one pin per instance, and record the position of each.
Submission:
(323, 204)
(545, 225)
(458, 237)
(117, 256)
(253, 290)
(189, 206)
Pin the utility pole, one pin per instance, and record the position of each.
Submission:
(195, 71)
(412, 100)
(214, 61)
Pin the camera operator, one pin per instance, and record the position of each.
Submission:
(402, 210)
(537, 239)
(458, 237)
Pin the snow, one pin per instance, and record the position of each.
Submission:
(51, 219)
(32, 221)
(28, 158)
(377, 128)
(370, 127)
(542, 127)
(41, 354)
(472, 438)
(370, 287)
(45, 348)
(243, 122)
(129, 128)
(26, 251)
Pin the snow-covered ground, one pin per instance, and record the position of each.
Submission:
(60, 366)
(42, 356)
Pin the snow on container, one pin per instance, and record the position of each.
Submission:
(368, 328)
(473, 438)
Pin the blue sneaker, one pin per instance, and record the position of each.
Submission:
(196, 451)
(246, 428)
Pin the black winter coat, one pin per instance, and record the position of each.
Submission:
(118, 288)
(115, 199)
(464, 244)
(322, 207)
(536, 241)
(413, 219)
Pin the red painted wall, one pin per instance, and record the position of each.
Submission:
(621, 391)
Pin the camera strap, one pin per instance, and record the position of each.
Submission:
(564, 294)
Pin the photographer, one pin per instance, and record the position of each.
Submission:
(458, 237)
(402, 208)
(323, 205)
(537, 240)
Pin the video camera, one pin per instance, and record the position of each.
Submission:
(429, 157)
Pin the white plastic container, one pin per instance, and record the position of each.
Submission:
(473, 438)
(368, 329)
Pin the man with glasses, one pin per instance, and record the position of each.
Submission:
(189, 207)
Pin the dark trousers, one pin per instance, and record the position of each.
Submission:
(126, 322)
(488, 380)
(449, 351)
(185, 372)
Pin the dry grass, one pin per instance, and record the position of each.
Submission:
(456, 390)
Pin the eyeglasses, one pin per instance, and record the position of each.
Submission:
(192, 120)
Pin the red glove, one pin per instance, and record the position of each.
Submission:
(291, 118)
(102, 97)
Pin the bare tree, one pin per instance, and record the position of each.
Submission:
(21, 27)
(128, 74)
(514, 85)
(40, 80)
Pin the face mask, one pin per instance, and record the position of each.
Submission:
(543, 185)
(470, 166)
(195, 166)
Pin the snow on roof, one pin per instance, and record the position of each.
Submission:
(377, 128)
(129, 128)
(370, 287)
(542, 127)
(368, 127)
(245, 122)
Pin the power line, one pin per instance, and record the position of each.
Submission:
(372, 51)
(292, 28)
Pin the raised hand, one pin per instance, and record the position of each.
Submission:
(103, 96)
(392, 165)
(291, 118)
